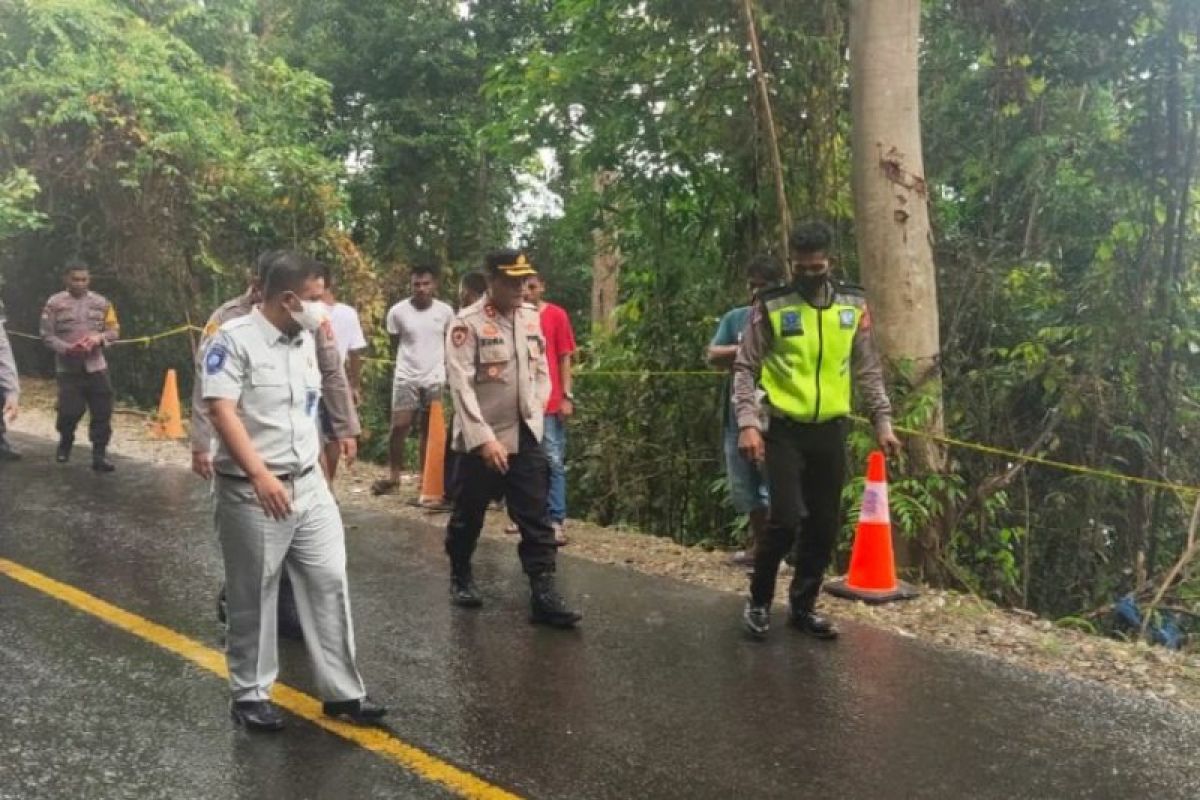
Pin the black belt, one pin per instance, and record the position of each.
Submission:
(287, 476)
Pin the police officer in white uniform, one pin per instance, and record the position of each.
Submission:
(274, 510)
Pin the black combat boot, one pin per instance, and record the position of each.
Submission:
(547, 606)
(63, 454)
(462, 588)
(6, 451)
(100, 462)
(803, 616)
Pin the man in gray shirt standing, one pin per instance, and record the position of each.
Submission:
(417, 326)
(263, 385)
(10, 390)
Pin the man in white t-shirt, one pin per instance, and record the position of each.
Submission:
(417, 326)
(351, 344)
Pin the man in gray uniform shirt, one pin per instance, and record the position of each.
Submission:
(10, 390)
(262, 385)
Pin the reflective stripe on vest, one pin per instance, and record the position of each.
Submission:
(807, 373)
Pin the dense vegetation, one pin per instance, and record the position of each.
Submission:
(169, 142)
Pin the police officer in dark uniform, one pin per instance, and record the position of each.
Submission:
(497, 373)
(806, 344)
(77, 324)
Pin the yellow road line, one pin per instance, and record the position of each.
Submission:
(425, 765)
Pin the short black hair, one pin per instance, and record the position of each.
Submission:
(75, 265)
(325, 271)
(263, 265)
(288, 272)
(496, 259)
(425, 268)
(475, 281)
(811, 236)
(766, 267)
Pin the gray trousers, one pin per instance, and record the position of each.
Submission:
(310, 545)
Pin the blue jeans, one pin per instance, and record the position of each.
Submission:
(554, 442)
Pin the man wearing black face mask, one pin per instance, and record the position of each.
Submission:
(804, 343)
(274, 511)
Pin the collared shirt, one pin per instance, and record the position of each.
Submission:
(756, 345)
(9, 385)
(339, 403)
(67, 319)
(277, 385)
(497, 374)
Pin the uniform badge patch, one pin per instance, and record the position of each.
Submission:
(790, 325)
(214, 359)
(458, 336)
(489, 310)
(846, 318)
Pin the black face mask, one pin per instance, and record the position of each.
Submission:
(810, 283)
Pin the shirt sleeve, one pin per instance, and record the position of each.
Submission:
(202, 432)
(868, 374)
(460, 377)
(564, 335)
(756, 341)
(112, 326)
(8, 366)
(725, 334)
(224, 369)
(49, 336)
(335, 388)
(357, 340)
(394, 326)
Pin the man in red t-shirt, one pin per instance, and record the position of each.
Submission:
(560, 344)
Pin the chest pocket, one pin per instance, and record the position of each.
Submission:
(493, 363)
(96, 318)
(265, 374)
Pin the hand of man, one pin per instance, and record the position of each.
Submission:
(566, 408)
(349, 450)
(751, 445)
(272, 496)
(888, 442)
(202, 464)
(356, 397)
(494, 456)
(11, 408)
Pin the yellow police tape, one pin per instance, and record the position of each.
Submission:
(135, 340)
(946, 440)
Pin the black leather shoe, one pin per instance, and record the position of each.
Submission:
(816, 625)
(361, 711)
(257, 715)
(546, 606)
(100, 461)
(464, 594)
(63, 454)
(7, 453)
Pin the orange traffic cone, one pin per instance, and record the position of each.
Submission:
(872, 576)
(433, 487)
(168, 424)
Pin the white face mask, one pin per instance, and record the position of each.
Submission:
(310, 316)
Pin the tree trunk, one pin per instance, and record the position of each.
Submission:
(892, 219)
(606, 264)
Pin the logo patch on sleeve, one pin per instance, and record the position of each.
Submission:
(790, 325)
(846, 318)
(214, 360)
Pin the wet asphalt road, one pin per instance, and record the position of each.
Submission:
(657, 695)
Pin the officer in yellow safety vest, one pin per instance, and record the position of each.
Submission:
(805, 344)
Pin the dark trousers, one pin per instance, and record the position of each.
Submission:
(524, 488)
(85, 391)
(806, 468)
